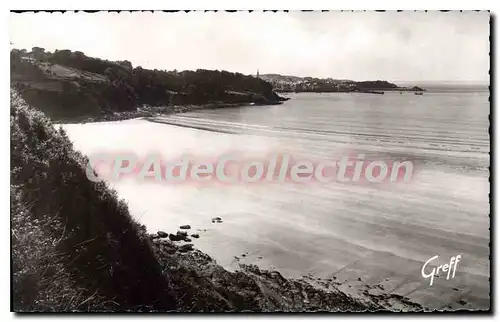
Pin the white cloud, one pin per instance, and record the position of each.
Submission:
(359, 45)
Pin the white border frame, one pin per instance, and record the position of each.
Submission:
(5, 273)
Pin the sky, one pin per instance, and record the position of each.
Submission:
(404, 46)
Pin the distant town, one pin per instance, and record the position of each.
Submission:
(285, 83)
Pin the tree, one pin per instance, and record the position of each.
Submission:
(37, 50)
(125, 63)
(38, 53)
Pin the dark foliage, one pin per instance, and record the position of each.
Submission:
(375, 85)
(66, 83)
(75, 246)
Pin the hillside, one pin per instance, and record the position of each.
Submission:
(285, 83)
(68, 85)
(74, 244)
(75, 247)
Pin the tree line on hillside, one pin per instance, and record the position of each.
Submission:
(125, 87)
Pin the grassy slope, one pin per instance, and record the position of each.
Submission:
(76, 248)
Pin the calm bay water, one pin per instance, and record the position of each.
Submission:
(380, 233)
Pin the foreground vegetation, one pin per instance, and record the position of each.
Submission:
(74, 244)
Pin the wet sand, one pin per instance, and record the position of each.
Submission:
(381, 235)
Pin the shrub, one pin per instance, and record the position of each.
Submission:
(74, 244)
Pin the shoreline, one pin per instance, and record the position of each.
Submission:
(262, 290)
(152, 111)
(257, 111)
(250, 262)
(366, 91)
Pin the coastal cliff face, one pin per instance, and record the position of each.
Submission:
(75, 247)
(67, 84)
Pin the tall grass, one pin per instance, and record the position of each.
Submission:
(74, 243)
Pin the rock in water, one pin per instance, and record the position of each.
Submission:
(175, 237)
(162, 234)
(181, 235)
(186, 248)
(185, 227)
(195, 236)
